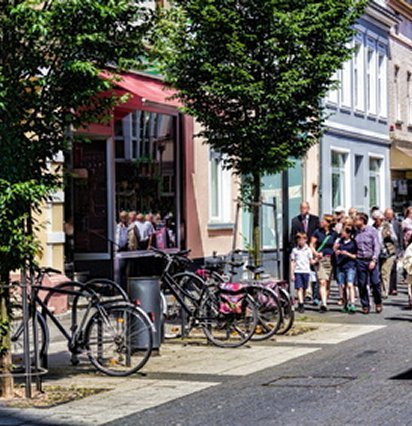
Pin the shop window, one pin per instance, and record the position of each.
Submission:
(220, 188)
(375, 181)
(146, 154)
(89, 180)
(339, 178)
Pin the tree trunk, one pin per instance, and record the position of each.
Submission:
(256, 232)
(6, 380)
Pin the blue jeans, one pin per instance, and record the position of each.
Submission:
(366, 276)
(345, 276)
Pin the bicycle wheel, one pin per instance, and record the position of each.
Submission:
(119, 339)
(17, 336)
(288, 312)
(269, 312)
(173, 316)
(228, 330)
(176, 318)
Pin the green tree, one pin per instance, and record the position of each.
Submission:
(52, 56)
(254, 73)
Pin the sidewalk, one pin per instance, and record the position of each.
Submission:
(181, 369)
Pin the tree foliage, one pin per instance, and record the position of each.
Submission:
(254, 72)
(52, 56)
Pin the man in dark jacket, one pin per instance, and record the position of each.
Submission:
(305, 222)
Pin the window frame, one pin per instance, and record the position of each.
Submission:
(344, 171)
(380, 196)
(224, 182)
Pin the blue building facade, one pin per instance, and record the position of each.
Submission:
(355, 149)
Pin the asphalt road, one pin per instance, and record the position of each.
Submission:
(362, 381)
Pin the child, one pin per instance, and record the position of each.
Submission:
(301, 259)
(345, 250)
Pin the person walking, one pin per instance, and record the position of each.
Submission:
(339, 218)
(367, 258)
(407, 264)
(396, 229)
(407, 227)
(322, 243)
(345, 251)
(387, 254)
(301, 259)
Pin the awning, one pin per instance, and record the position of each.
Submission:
(401, 155)
(147, 89)
(144, 91)
(407, 151)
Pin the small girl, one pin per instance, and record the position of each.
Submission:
(301, 259)
(345, 251)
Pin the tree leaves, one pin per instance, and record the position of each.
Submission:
(254, 72)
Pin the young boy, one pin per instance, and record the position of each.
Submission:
(345, 250)
(301, 259)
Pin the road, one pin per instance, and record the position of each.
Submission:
(366, 380)
(344, 370)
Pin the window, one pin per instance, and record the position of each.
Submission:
(409, 97)
(371, 78)
(333, 94)
(375, 180)
(382, 86)
(220, 188)
(396, 95)
(339, 177)
(358, 76)
(346, 85)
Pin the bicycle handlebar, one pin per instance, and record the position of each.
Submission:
(47, 270)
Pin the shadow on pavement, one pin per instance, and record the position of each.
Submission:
(406, 375)
(405, 319)
(18, 417)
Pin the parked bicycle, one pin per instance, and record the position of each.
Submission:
(204, 307)
(276, 312)
(116, 335)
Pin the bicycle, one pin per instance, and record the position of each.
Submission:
(204, 307)
(276, 313)
(116, 335)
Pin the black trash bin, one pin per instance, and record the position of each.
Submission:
(145, 292)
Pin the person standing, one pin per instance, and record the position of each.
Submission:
(367, 258)
(322, 243)
(407, 227)
(306, 223)
(339, 218)
(301, 259)
(121, 244)
(407, 264)
(397, 231)
(387, 255)
(345, 251)
(121, 237)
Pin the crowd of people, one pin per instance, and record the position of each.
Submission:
(137, 231)
(361, 253)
